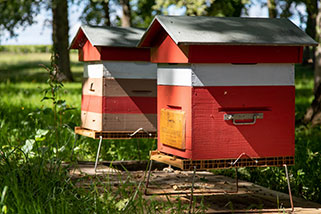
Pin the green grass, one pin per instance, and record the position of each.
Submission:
(28, 147)
(32, 179)
(22, 81)
(17, 68)
(20, 49)
(303, 89)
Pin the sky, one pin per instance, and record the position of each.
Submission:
(39, 34)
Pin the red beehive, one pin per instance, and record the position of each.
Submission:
(119, 86)
(225, 85)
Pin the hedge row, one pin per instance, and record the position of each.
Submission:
(26, 48)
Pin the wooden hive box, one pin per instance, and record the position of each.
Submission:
(225, 85)
(119, 82)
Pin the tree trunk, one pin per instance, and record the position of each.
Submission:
(106, 10)
(312, 11)
(126, 18)
(272, 8)
(60, 38)
(313, 113)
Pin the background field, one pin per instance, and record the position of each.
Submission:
(28, 135)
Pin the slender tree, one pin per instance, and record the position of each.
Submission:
(272, 8)
(60, 37)
(126, 16)
(21, 13)
(107, 12)
(96, 12)
(205, 7)
(143, 13)
(313, 113)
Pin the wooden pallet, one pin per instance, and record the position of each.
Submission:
(187, 164)
(113, 134)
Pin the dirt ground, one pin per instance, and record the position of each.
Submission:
(216, 192)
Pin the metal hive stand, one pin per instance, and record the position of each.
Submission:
(125, 135)
(186, 164)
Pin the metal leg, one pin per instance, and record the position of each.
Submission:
(289, 187)
(73, 147)
(237, 180)
(98, 151)
(148, 176)
(192, 191)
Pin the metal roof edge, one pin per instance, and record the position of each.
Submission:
(314, 43)
(156, 18)
(248, 44)
(86, 34)
(81, 28)
(169, 33)
(145, 33)
(74, 39)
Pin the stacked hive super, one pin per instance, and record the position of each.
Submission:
(119, 85)
(225, 88)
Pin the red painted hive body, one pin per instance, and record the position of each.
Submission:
(119, 84)
(237, 99)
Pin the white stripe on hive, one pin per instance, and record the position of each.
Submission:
(226, 75)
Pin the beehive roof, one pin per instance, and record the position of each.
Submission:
(193, 30)
(108, 36)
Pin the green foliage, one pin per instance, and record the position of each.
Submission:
(26, 48)
(32, 179)
(38, 186)
(29, 167)
(97, 12)
(24, 118)
(228, 8)
(17, 13)
(143, 13)
(205, 7)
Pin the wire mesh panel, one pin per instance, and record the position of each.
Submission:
(187, 164)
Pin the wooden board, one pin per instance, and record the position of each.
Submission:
(119, 105)
(188, 164)
(169, 52)
(172, 128)
(251, 198)
(166, 159)
(118, 122)
(113, 134)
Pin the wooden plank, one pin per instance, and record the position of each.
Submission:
(111, 87)
(243, 54)
(119, 105)
(130, 122)
(172, 128)
(163, 158)
(92, 86)
(114, 134)
(85, 132)
(130, 87)
(92, 120)
(118, 122)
